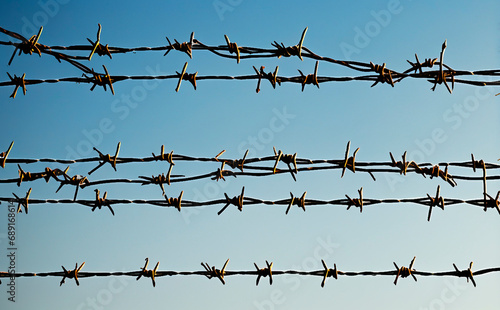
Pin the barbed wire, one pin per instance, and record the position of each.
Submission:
(220, 274)
(444, 75)
(294, 166)
(241, 200)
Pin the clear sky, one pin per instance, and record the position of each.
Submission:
(66, 120)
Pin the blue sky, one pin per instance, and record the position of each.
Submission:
(66, 120)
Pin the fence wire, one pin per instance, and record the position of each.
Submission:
(241, 201)
(294, 165)
(220, 274)
(380, 73)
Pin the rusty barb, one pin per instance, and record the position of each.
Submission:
(148, 273)
(23, 202)
(29, 46)
(186, 77)
(295, 50)
(212, 272)
(99, 79)
(4, 155)
(465, 273)
(385, 75)
(310, 78)
(215, 273)
(174, 202)
(106, 159)
(72, 274)
(349, 162)
(272, 77)
(97, 47)
(236, 201)
(358, 203)
(437, 201)
(404, 272)
(102, 202)
(329, 273)
(186, 47)
(299, 202)
(76, 180)
(233, 48)
(264, 272)
(18, 82)
(441, 76)
(288, 159)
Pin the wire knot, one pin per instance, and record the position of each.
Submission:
(466, 273)
(220, 173)
(288, 159)
(441, 76)
(18, 82)
(186, 47)
(264, 272)
(107, 158)
(148, 273)
(23, 202)
(215, 273)
(159, 180)
(329, 273)
(299, 202)
(186, 77)
(349, 162)
(493, 203)
(295, 50)
(101, 80)
(385, 75)
(310, 78)
(429, 63)
(233, 48)
(102, 202)
(404, 272)
(272, 77)
(174, 202)
(29, 46)
(237, 163)
(437, 201)
(76, 180)
(236, 200)
(358, 203)
(71, 274)
(402, 165)
(97, 47)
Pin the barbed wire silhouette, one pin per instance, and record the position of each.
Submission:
(220, 274)
(382, 74)
(294, 165)
(241, 201)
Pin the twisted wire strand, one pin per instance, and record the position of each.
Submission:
(444, 75)
(210, 273)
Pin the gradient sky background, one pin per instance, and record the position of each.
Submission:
(55, 121)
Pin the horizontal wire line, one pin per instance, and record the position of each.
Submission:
(382, 74)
